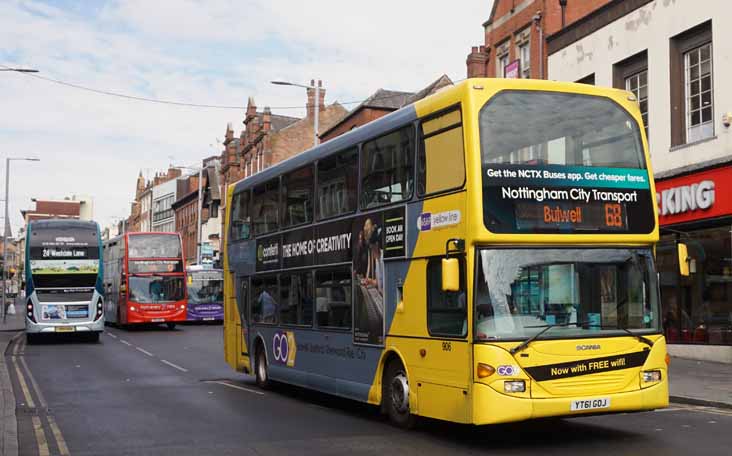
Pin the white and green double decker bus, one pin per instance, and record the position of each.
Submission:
(63, 267)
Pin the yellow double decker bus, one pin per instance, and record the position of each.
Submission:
(482, 256)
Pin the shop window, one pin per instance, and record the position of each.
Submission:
(387, 169)
(296, 299)
(441, 163)
(297, 192)
(446, 311)
(265, 202)
(338, 184)
(264, 299)
(333, 301)
(698, 309)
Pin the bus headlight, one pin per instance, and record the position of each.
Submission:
(132, 308)
(514, 386)
(651, 376)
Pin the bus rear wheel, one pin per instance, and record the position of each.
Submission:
(260, 369)
(395, 395)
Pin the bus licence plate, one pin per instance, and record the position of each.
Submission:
(64, 329)
(158, 320)
(590, 404)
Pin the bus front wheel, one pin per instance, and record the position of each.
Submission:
(260, 369)
(395, 394)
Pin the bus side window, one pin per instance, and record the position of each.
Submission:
(447, 312)
(240, 225)
(337, 184)
(387, 168)
(264, 299)
(333, 301)
(297, 196)
(441, 158)
(265, 207)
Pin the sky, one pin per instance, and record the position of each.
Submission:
(213, 52)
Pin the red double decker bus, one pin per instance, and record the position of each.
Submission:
(144, 279)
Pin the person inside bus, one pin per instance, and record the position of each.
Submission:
(156, 290)
(268, 306)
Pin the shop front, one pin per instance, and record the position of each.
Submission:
(696, 209)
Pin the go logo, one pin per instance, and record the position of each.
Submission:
(284, 348)
(508, 371)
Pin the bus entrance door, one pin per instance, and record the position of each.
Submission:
(242, 288)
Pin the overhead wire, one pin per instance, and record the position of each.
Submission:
(188, 104)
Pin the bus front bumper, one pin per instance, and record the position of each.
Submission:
(492, 407)
(71, 326)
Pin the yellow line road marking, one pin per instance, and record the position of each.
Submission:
(34, 384)
(60, 441)
(40, 437)
(236, 387)
(23, 385)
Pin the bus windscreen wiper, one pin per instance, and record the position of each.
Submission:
(526, 343)
(643, 339)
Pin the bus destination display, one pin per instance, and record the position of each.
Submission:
(590, 217)
(561, 199)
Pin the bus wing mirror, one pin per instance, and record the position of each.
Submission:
(450, 274)
(683, 252)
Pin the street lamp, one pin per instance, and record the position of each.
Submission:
(316, 115)
(6, 232)
(19, 70)
(200, 208)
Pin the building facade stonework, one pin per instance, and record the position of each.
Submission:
(673, 57)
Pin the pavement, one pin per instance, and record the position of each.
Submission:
(700, 382)
(8, 422)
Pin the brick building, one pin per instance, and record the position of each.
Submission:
(515, 36)
(269, 138)
(143, 208)
(379, 104)
(186, 212)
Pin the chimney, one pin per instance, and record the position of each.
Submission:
(267, 119)
(477, 62)
(311, 97)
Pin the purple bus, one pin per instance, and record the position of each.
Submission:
(205, 294)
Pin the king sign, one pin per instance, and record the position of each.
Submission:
(685, 198)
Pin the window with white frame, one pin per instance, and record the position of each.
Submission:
(638, 85)
(501, 59)
(523, 51)
(698, 93)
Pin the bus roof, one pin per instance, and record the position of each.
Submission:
(63, 224)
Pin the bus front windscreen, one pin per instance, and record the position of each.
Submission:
(584, 292)
(156, 289)
(205, 287)
(556, 162)
(154, 246)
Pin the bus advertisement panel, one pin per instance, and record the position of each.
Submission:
(145, 279)
(205, 294)
(63, 278)
(482, 256)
